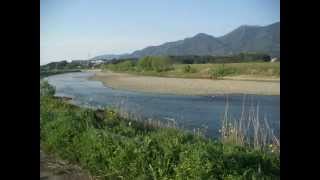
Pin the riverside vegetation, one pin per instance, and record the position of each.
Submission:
(168, 67)
(114, 147)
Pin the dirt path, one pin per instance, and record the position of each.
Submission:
(51, 169)
(185, 86)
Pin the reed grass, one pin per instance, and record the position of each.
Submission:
(249, 129)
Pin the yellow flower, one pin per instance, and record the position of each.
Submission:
(270, 145)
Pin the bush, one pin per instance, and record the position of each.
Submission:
(220, 71)
(125, 66)
(153, 63)
(46, 89)
(145, 64)
(189, 69)
(121, 66)
(160, 64)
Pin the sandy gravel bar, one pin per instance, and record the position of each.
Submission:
(185, 86)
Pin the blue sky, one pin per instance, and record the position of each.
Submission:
(76, 29)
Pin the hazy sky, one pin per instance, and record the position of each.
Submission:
(76, 29)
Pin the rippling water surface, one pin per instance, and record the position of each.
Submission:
(190, 112)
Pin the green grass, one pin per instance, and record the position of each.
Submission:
(112, 147)
(250, 69)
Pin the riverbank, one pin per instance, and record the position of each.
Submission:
(185, 86)
(257, 71)
(44, 74)
(112, 147)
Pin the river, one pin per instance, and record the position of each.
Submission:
(189, 112)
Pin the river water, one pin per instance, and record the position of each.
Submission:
(189, 112)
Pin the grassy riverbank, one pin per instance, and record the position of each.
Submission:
(159, 75)
(113, 147)
(261, 71)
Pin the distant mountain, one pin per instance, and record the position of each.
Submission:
(200, 44)
(254, 38)
(245, 38)
(109, 56)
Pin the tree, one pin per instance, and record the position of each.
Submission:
(161, 64)
(145, 63)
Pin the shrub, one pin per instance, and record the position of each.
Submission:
(154, 63)
(189, 69)
(46, 89)
(220, 71)
(145, 64)
(125, 66)
(121, 66)
(160, 64)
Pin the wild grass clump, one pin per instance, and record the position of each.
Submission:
(46, 89)
(250, 130)
(189, 69)
(220, 71)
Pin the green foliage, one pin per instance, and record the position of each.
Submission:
(154, 66)
(220, 71)
(145, 64)
(122, 66)
(189, 69)
(148, 63)
(46, 89)
(126, 65)
(252, 56)
(112, 147)
(62, 65)
(160, 64)
(241, 57)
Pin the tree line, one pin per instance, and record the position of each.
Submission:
(158, 63)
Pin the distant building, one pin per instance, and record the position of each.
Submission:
(96, 61)
(82, 62)
(275, 59)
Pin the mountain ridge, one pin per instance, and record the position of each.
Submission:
(245, 38)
